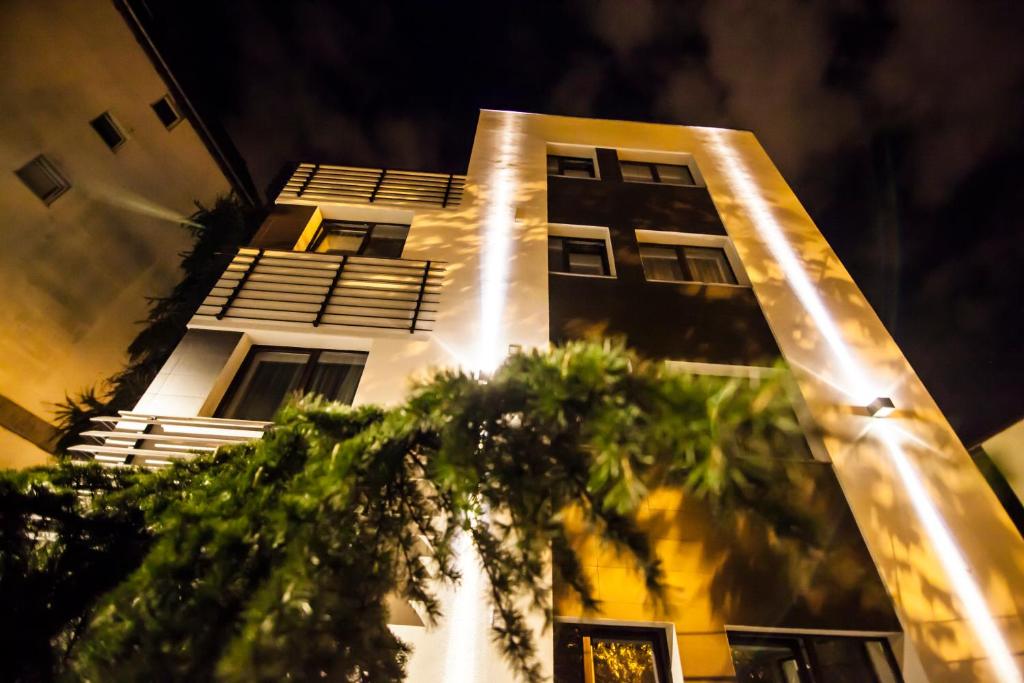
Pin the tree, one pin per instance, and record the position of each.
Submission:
(217, 232)
(274, 560)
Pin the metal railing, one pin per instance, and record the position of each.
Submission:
(317, 290)
(323, 182)
(157, 441)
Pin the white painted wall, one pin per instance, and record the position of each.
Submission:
(77, 272)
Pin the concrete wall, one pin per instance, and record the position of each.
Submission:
(77, 272)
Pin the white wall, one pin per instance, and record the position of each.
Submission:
(76, 273)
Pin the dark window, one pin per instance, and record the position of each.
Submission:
(383, 240)
(571, 167)
(670, 263)
(667, 174)
(614, 654)
(108, 131)
(43, 178)
(578, 256)
(787, 658)
(269, 376)
(166, 112)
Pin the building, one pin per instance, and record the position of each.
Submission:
(103, 155)
(690, 243)
(1000, 457)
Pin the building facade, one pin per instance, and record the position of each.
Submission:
(687, 242)
(103, 157)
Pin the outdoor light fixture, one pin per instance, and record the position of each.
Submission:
(881, 407)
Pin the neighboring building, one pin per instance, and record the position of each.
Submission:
(103, 155)
(1000, 458)
(688, 242)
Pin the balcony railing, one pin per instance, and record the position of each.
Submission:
(373, 185)
(156, 441)
(307, 289)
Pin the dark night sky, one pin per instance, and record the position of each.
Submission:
(898, 125)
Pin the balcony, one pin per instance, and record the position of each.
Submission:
(308, 290)
(347, 184)
(156, 441)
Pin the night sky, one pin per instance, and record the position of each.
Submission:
(899, 125)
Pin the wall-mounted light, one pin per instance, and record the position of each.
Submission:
(881, 407)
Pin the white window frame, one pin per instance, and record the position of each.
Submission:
(692, 239)
(560, 149)
(650, 156)
(587, 232)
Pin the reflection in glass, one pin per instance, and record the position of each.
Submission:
(624, 661)
(270, 377)
(336, 375)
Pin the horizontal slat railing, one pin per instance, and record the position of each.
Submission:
(324, 289)
(157, 441)
(372, 185)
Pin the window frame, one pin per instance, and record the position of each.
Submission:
(328, 223)
(810, 668)
(62, 184)
(562, 158)
(652, 166)
(107, 119)
(305, 375)
(653, 633)
(169, 101)
(680, 251)
(595, 241)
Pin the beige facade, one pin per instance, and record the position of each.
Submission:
(78, 270)
(937, 550)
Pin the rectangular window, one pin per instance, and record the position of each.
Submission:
(666, 174)
(678, 263)
(577, 256)
(383, 240)
(166, 111)
(785, 658)
(586, 653)
(108, 130)
(269, 376)
(571, 167)
(43, 178)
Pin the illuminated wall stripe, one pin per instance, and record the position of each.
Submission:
(748, 194)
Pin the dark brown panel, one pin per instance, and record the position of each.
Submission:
(282, 227)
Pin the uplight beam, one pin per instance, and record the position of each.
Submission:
(947, 550)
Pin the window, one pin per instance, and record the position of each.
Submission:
(784, 658)
(166, 112)
(108, 131)
(269, 376)
(383, 240)
(571, 167)
(578, 256)
(667, 174)
(610, 654)
(677, 263)
(43, 178)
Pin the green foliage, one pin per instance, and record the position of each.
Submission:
(217, 232)
(274, 560)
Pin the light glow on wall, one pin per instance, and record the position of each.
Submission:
(496, 249)
(748, 193)
(464, 620)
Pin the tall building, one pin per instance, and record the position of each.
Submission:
(689, 243)
(102, 155)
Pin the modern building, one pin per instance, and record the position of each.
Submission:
(103, 155)
(688, 242)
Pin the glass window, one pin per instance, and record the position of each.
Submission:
(578, 256)
(571, 167)
(43, 178)
(108, 131)
(610, 654)
(383, 240)
(649, 172)
(669, 263)
(165, 111)
(770, 658)
(270, 376)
